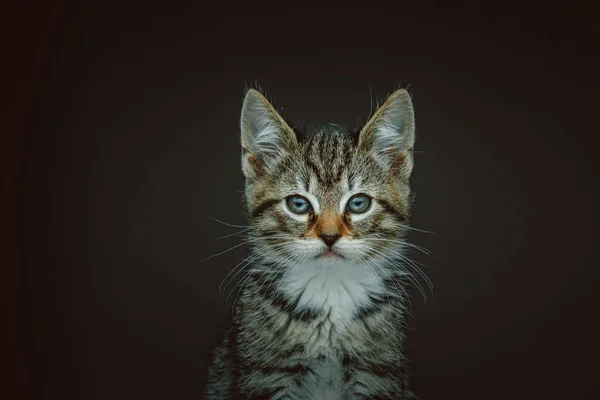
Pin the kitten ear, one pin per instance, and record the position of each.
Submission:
(389, 135)
(265, 134)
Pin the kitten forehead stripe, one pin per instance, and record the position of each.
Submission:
(400, 216)
(262, 207)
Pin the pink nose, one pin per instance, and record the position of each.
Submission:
(330, 238)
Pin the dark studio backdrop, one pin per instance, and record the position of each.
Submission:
(131, 143)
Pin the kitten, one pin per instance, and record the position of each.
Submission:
(321, 314)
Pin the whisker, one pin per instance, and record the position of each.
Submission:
(223, 252)
(414, 246)
(241, 283)
(416, 230)
(409, 276)
(281, 266)
(232, 234)
(227, 224)
(403, 242)
(238, 267)
(250, 259)
(387, 273)
(384, 270)
(419, 270)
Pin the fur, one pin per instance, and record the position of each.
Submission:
(317, 320)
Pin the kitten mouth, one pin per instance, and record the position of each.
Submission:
(330, 254)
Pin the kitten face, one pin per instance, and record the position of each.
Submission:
(327, 198)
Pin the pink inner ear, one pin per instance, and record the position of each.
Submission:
(400, 158)
(398, 162)
(253, 160)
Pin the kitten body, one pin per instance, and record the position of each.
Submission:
(321, 312)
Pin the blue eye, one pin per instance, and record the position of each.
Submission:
(298, 204)
(358, 203)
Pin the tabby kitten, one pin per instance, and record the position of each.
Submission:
(321, 313)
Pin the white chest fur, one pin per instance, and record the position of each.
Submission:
(335, 287)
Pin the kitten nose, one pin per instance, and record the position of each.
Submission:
(330, 238)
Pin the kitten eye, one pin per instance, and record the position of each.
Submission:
(358, 203)
(298, 204)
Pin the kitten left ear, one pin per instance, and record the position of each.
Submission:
(265, 134)
(389, 135)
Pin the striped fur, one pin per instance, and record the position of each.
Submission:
(315, 321)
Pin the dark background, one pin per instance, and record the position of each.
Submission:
(130, 143)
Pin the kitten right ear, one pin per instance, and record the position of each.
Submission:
(389, 135)
(265, 134)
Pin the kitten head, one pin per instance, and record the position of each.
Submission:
(327, 197)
